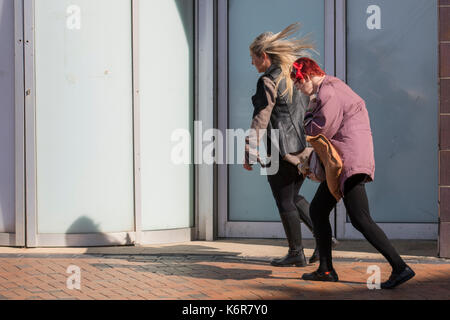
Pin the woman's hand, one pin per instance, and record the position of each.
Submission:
(303, 169)
(248, 167)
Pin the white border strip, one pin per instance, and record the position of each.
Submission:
(86, 240)
(115, 239)
(269, 230)
(136, 120)
(204, 175)
(399, 231)
(222, 92)
(19, 126)
(167, 236)
(30, 125)
(8, 239)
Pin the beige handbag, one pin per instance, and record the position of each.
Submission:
(332, 163)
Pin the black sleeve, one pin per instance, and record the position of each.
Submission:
(260, 98)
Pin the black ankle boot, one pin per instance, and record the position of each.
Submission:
(293, 229)
(293, 258)
(330, 276)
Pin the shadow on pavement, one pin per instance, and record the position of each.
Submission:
(287, 283)
(192, 265)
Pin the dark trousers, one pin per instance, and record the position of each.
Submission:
(357, 205)
(285, 185)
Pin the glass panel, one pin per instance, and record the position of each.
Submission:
(394, 69)
(7, 119)
(84, 116)
(250, 197)
(167, 104)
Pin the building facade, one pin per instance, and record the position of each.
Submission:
(108, 106)
(444, 128)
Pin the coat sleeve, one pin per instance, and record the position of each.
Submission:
(263, 102)
(326, 116)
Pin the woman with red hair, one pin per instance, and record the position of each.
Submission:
(340, 115)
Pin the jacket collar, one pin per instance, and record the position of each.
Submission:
(274, 69)
(327, 77)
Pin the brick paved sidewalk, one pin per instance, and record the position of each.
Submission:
(190, 276)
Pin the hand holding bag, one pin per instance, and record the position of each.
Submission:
(308, 164)
(316, 170)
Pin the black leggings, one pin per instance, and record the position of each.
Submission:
(357, 205)
(285, 185)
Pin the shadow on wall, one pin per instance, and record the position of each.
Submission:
(84, 232)
(186, 12)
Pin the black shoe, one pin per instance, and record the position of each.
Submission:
(397, 279)
(291, 259)
(293, 229)
(321, 276)
(315, 257)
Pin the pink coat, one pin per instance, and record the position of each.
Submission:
(341, 116)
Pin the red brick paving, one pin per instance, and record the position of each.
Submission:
(204, 278)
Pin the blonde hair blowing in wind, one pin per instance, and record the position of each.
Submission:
(283, 52)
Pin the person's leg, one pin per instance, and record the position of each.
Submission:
(320, 210)
(303, 210)
(283, 189)
(283, 185)
(357, 205)
(302, 206)
(300, 202)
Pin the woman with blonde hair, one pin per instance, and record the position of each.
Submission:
(278, 106)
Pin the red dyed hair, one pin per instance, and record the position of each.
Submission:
(305, 66)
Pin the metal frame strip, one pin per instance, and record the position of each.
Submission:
(222, 92)
(30, 126)
(136, 121)
(204, 173)
(19, 125)
(330, 37)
